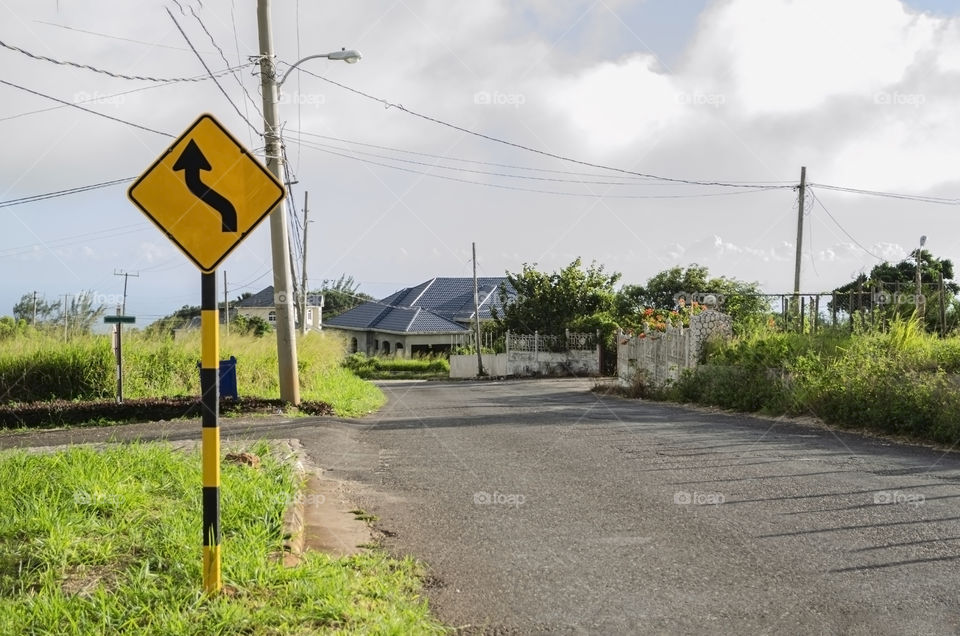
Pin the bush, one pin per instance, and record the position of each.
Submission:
(43, 368)
(897, 382)
(397, 368)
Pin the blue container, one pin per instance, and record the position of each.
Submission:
(228, 378)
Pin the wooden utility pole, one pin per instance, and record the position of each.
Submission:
(796, 269)
(226, 307)
(476, 312)
(303, 280)
(943, 310)
(65, 318)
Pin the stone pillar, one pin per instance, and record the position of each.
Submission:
(709, 324)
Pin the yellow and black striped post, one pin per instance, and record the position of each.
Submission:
(210, 409)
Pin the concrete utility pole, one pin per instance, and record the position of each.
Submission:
(796, 270)
(476, 311)
(34, 308)
(303, 276)
(282, 280)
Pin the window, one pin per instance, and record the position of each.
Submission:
(386, 347)
(272, 316)
(353, 345)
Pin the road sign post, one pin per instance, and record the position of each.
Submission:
(207, 193)
(210, 412)
(118, 321)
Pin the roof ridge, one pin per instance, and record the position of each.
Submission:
(381, 316)
(420, 295)
(415, 314)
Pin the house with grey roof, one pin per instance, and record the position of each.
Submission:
(264, 305)
(429, 318)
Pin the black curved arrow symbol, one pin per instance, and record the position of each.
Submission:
(192, 161)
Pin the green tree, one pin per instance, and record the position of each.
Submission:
(250, 325)
(574, 298)
(80, 314)
(12, 328)
(340, 295)
(742, 300)
(46, 312)
(891, 288)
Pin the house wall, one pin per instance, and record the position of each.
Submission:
(525, 363)
(264, 313)
(371, 343)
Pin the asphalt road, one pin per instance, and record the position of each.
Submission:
(542, 508)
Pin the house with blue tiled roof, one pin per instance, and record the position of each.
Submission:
(429, 318)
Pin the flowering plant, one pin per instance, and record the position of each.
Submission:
(656, 320)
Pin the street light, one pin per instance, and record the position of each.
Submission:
(279, 245)
(347, 55)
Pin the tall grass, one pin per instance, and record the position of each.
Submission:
(41, 367)
(902, 381)
(44, 367)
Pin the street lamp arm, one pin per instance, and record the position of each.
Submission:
(347, 55)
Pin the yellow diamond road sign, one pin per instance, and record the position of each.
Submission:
(206, 192)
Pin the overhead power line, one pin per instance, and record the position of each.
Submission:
(842, 229)
(88, 67)
(86, 110)
(105, 98)
(62, 193)
(505, 142)
(625, 179)
(634, 183)
(209, 72)
(748, 190)
(891, 195)
(223, 56)
(112, 37)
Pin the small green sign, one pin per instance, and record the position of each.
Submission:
(116, 319)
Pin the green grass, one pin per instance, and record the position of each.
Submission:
(109, 543)
(382, 368)
(901, 381)
(42, 366)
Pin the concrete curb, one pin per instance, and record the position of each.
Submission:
(293, 526)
